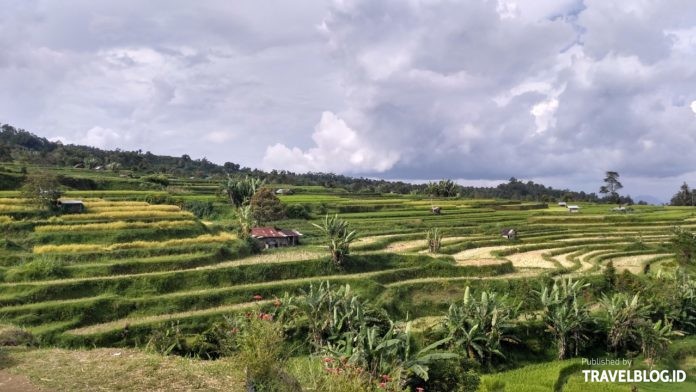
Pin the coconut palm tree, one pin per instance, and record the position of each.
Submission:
(339, 237)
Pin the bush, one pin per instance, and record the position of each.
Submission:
(261, 345)
(451, 375)
(78, 183)
(167, 340)
(157, 179)
(10, 181)
(314, 376)
(201, 209)
(298, 211)
(160, 199)
(38, 269)
(14, 336)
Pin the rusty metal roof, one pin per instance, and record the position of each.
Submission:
(272, 232)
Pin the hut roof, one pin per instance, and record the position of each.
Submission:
(70, 202)
(291, 233)
(273, 232)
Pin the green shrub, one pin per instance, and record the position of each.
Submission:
(314, 376)
(157, 179)
(167, 340)
(298, 211)
(14, 336)
(156, 198)
(452, 375)
(38, 269)
(201, 209)
(78, 183)
(261, 348)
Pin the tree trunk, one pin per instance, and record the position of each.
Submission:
(562, 346)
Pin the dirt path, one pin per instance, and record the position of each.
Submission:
(15, 383)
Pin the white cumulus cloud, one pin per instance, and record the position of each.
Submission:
(337, 148)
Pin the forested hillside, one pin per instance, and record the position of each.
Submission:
(18, 145)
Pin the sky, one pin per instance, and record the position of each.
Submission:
(554, 91)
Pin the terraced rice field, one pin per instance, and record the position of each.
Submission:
(124, 267)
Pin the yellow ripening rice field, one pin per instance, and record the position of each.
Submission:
(16, 208)
(13, 201)
(117, 208)
(532, 259)
(141, 214)
(117, 225)
(89, 203)
(203, 239)
(5, 219)
(633, 264)
(479, 253)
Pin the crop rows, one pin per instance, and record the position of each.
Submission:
(112, 274)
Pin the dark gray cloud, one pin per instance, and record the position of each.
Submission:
(551, 90)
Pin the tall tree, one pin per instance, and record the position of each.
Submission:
(43, 189)
(266, 206)
(685, 196)
(684, 245)
(611, 186)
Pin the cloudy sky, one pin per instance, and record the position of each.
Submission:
(557, 91)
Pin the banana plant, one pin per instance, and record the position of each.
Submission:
(434, 239)
(566, 316)
(338, 237)
(624, 318)
(478, 326)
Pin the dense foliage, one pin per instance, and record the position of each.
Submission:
(22, 146)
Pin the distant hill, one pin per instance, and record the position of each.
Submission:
(18, 145)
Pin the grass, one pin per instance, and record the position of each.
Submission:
(128, 262)
(534, 378)
(117, 225)
(119, 214)
(121, 370)
(137, 321)
(70, 248)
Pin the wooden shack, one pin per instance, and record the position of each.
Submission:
(508, 233)
(71, 206)
(275, 237)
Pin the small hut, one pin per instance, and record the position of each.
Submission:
(573, 209)
(275, 237)
(283, 191)
(508, 233)
(436, 210)
(71, 206)
(562, 204)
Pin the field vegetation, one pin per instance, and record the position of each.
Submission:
(381, 294)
